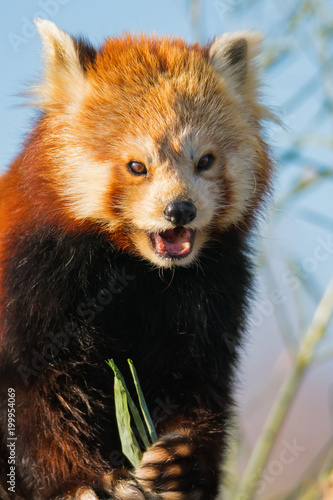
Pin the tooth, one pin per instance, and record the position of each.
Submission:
(186, 245)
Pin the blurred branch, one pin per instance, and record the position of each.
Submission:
(287, 392)
(301, 95)
(324, 356)
(274, 56)
(282, 318)
(306, 182)
(314, 140)
(315, 218)
(308, 282)
(304, 9)
(195, 11)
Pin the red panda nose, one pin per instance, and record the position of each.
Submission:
(180, 213)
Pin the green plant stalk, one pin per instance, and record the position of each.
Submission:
(286, 394)
(138, 422)
(132, 406)
(129, 444)
(143, 404)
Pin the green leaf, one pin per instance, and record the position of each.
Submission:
(138, 422)
(143, 404)
(129, 444)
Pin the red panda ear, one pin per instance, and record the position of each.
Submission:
(232, 56)
(64, 71)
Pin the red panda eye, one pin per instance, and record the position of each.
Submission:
(205, 162)
(137, 168)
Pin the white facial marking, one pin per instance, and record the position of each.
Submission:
(84, 184)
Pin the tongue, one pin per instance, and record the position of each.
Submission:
(173, 242)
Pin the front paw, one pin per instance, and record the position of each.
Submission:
(172, 470)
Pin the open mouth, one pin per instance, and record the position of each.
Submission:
(173, 243)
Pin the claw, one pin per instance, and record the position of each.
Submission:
(126, 491)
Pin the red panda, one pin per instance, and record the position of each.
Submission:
(124, 233)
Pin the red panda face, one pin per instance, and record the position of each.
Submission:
(158, 143)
